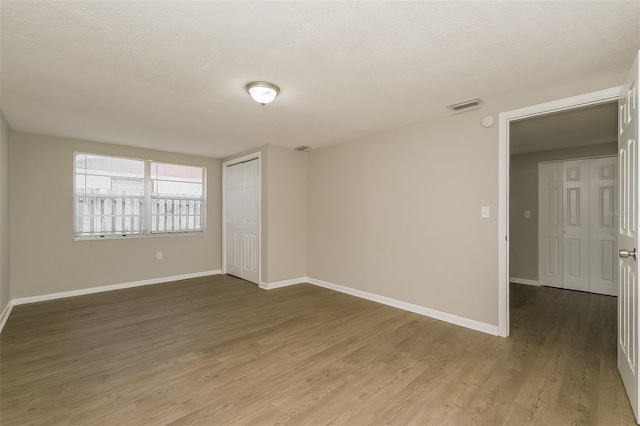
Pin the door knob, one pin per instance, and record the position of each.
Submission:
(624, 253)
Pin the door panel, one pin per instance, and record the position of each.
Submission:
(550, 224)
(628, 236)
(575, 229)
(604, 226)
(234, 219)
(573, 251)
(251, 203)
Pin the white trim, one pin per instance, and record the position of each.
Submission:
(283, 283)
(596, 157)
(5, 314)
(92, 290)
(421, 310)
(253, 156)
(505, 118)
(524, 281)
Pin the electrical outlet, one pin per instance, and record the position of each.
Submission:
(484, 212)
(159, 255)
(527, 214)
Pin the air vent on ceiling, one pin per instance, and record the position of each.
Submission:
(302, 148)
(469, 103)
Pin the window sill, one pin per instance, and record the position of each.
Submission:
(141, 236)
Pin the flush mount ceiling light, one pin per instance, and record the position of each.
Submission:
(262, 92)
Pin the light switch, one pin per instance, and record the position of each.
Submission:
(527, 214)
(484, 212)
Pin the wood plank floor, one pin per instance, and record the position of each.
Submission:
(218, 350)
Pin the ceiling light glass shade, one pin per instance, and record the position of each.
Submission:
(262, 92)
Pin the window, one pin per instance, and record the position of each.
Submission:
(177, 197)
(119, 197)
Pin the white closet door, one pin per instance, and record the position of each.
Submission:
(550, 224)
(242, 210)
(234, 219)
(575, 241)
(251, 224)
(603, 233)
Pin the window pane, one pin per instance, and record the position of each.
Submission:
(176, 172)
(178, 198)
(109, 175)
(109, 195)
(177, 180)
(180, 189)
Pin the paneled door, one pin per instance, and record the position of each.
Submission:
(242, 220)
(250, 220)
(233, 217)
(550, 224)
(577, 225)
(575, 230)
(603, 232)
(628, 330)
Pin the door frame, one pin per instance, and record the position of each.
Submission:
(504, 120)
(245, 158)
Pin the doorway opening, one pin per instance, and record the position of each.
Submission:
(563, 236)
(506, 119)
(562, 199)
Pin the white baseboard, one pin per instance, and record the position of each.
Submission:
(5, 314)
(524, 281)
(284, 283)
(91, 290)
(432, 313)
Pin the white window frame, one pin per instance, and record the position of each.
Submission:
(147, 205)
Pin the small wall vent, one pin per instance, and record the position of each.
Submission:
(302, 148)
(469, 103)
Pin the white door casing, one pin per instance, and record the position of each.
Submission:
(504, 121)
(603, 230)
(628, 330)
(575, 230)
(241, 222)
(550, 224)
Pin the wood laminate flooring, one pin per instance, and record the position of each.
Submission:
(218, 350)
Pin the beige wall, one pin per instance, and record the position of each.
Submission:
(44, 257)
(397, 213)
(287, 213)
(5, 289)
(284, 214)
(523, 195)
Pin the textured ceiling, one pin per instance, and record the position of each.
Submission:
(566, 129)
(170, 75)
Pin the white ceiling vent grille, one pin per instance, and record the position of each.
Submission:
(302, 148)
(469, 103)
